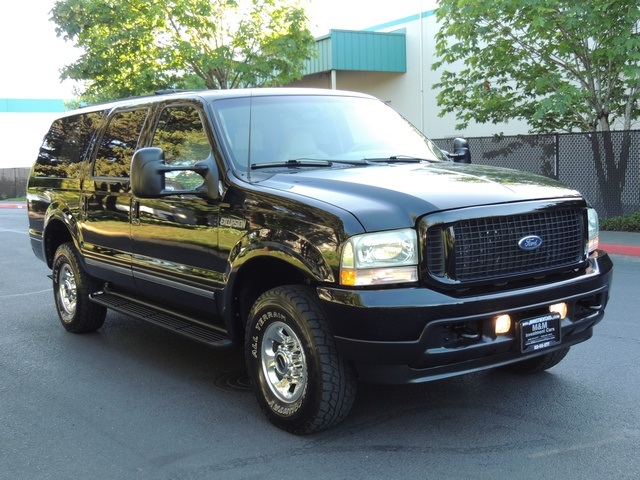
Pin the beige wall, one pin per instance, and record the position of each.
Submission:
(412, 93)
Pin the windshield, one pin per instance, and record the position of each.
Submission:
(275, 130)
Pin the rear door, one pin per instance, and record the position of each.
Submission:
(106, 199)
(175, 238)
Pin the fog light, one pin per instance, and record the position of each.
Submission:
(560, 308)
(503, 324)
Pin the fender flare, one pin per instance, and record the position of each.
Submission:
(280, 245)
(58, 213)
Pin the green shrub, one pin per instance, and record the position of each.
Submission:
(625, 223)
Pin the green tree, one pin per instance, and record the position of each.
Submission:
(559, 65)
(139, 46)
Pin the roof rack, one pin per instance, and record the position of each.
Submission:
(167, 91)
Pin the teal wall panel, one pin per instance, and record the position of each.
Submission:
(359, 51)
(31, 105)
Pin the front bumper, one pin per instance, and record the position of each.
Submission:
(408, 335)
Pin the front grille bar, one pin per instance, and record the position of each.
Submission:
(460, 250)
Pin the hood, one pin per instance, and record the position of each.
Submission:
(387, 196)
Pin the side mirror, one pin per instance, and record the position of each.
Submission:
(148, 170)
(461, 153)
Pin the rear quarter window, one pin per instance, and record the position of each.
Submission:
(65, 146)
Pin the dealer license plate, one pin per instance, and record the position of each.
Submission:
(540, 332)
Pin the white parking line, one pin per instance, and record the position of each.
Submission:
(24, 294)
(573, 448)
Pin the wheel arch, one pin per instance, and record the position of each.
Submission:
(57, 232)
(243, 289)
(264, 259)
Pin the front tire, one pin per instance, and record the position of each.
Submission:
(537, 364)
(300, 381)
(72, 286)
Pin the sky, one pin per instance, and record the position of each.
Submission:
(31, 55)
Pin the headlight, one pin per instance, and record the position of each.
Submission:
(380, 258)
(594, 230)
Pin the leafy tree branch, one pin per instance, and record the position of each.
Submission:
(139, 46)
(558, 64)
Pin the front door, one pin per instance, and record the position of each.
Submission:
(175, 238)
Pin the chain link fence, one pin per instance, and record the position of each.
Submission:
(604, 167)
(13, 182)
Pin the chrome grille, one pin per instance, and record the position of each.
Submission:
(480, 249)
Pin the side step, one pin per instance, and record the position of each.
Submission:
(164, 318)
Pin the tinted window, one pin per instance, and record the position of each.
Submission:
(281, 128)
(181, 135)
(118, 144)
(65, 146)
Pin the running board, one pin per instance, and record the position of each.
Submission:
(170, 320)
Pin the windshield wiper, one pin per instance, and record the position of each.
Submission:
(400, 159)
(298, 162)
(308, 162)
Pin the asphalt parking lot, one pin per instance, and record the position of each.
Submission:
(135, 402)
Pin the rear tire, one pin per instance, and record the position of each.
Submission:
(72, 286)
(537, 364)
(299, 379)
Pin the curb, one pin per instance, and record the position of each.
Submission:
(13, 205)
(630, 250)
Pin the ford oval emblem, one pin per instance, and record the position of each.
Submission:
(530, 242)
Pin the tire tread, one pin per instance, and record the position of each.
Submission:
(339, 380)
(89, 316)
(538, 364)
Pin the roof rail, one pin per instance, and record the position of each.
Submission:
(166, 91)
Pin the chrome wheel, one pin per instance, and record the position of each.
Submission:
(283, 362)
(72, 289)
(67, 292)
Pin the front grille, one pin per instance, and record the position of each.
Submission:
(486, 248)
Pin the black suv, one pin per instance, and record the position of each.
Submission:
(322, 232)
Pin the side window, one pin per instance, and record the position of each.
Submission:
(181, 135)
(65, 146)
(118, 144)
